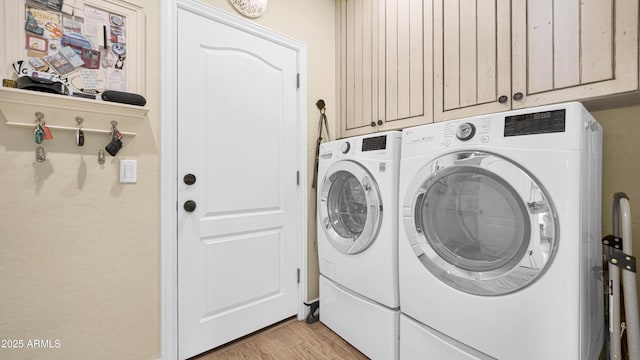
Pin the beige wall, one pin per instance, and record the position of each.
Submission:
(620, 165)
(79, 252)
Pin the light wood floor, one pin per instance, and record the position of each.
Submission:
(287, 340)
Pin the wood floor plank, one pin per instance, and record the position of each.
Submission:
(289, 339)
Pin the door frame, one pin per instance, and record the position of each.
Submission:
(169, 158)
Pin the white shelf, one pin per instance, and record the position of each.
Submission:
(19, 107)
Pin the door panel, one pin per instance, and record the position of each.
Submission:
(597, 39)
(568, 50)
(383, 68)
(237, 130)
(471, 57)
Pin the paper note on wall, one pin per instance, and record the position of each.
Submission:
(92, 79)
(116, 80)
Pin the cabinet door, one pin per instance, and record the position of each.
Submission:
(361, 42)
(472, 60)
(573, 49)
(384, 64)
(407, 64)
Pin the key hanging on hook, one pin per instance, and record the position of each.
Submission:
(38, 131)
(42, 125)
(116, 140)
(79, 132)
(115, 134)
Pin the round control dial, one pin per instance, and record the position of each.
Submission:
(465, 131)
(344, 147)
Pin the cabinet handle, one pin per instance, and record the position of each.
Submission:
(380, 122)
(373, 124)
(503, 99)
(518, 96)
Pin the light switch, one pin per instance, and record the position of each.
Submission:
(128, 171)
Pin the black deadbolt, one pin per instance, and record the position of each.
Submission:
(189, 206)
(189, 179)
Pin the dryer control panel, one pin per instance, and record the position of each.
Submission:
(476, 131)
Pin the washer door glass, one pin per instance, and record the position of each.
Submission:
(350, 207)
(482, 224)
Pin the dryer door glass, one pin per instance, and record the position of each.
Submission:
(481, 223)
(474, 219)
(350, 207)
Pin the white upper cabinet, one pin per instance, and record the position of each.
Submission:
(494, 55)
(384, 64)
(472, 66)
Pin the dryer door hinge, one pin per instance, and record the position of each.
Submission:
(298, 81)
(298, 274)
(298, 177)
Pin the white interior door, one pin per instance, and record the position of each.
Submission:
(237, 133)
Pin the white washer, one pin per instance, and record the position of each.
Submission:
(499, 237)
(357, 241)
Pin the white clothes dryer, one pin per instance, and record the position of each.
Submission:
(499, 237)
(358, 241)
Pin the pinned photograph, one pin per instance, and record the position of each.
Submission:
(116, 20)
(37, 43)
(37, 63)
(72, 56)
(60, 64)
(91, 58)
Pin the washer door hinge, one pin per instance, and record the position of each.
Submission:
(298, 275)
(298, 177)
(298, 81)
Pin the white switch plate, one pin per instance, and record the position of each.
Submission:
(128, 171)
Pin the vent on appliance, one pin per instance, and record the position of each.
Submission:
(374, 143)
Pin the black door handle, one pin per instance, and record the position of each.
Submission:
(189, 179)
(189, 206)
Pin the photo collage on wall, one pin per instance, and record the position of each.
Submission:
(86, 50)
